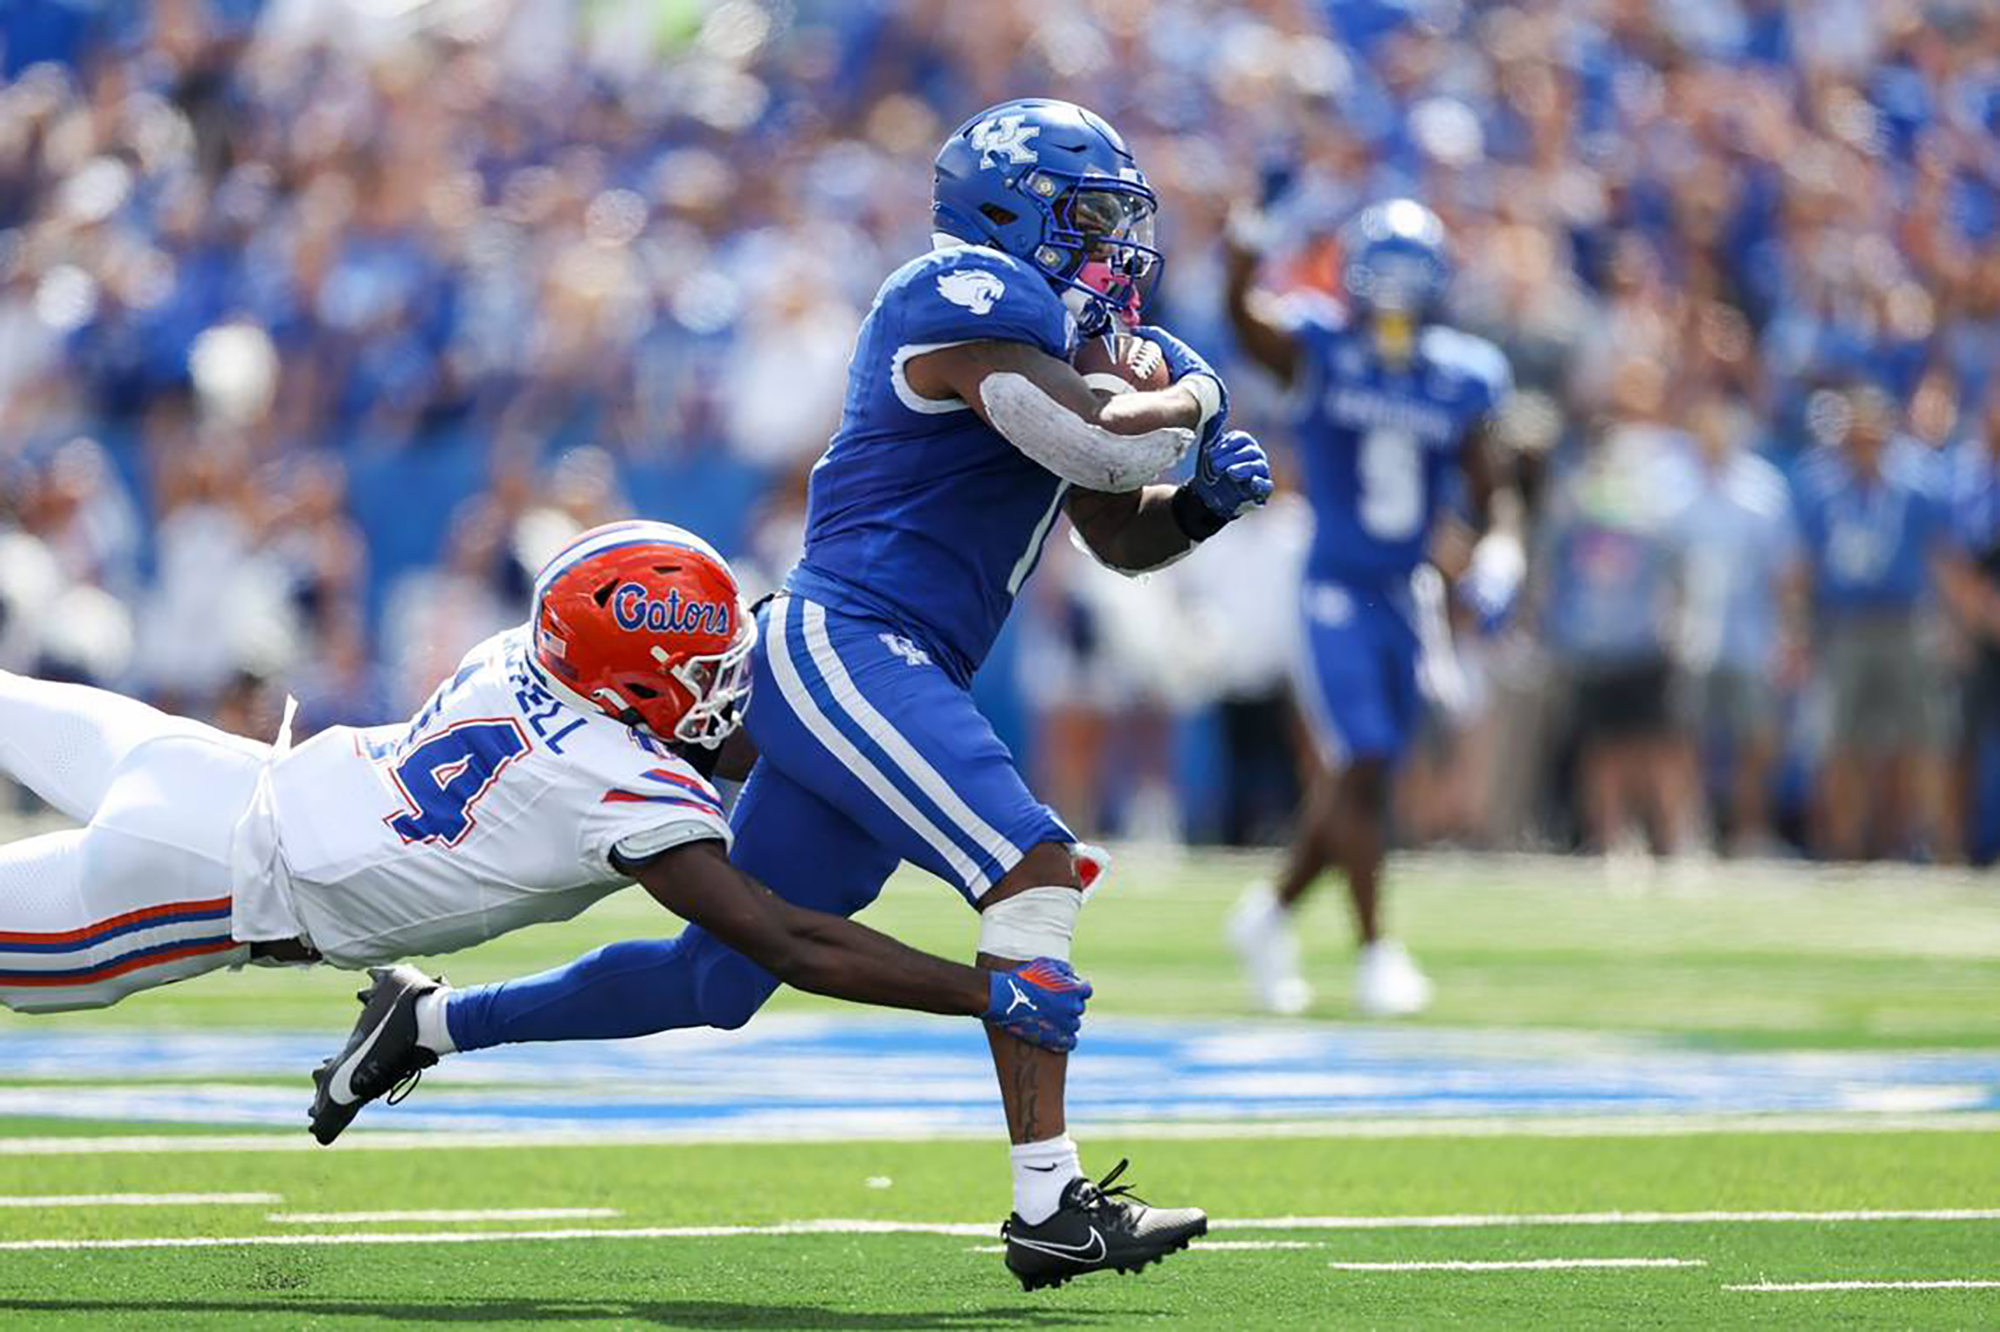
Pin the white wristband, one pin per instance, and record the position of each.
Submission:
(1207, 391)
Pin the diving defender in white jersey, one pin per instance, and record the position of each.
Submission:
(546, 773)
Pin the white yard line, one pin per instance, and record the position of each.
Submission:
(436, 1214)
(501, 1236)
(1474, 1221)
(1516, 1264)
(1551, 1126)
(985, 1229)
(1952, 1284)
(143, 1200)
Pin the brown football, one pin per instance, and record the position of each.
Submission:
(1126, 357)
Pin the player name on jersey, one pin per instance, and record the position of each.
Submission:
(1366, 409)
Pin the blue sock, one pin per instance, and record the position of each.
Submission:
(632, 988)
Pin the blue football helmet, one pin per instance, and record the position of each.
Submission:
(1395, 260)
(1052, 184)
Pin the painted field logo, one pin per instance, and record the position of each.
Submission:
(634, 610)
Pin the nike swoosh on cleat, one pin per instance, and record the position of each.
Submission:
(340, 1087)
(1076, 1253)
(1042, 1170)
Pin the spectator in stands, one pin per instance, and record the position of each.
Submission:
(460, 248)
(1739, 643)
(1873, 520)
(1609, 568)
(1969, 584)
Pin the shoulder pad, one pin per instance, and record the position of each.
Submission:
(972, 292)
(1469, 355)
(1308, 311)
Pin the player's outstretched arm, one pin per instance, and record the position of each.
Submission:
(1259, 331)
(825, 954)
(1043, 407)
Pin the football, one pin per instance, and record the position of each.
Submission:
(1127, 359)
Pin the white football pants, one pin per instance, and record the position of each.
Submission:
(141, 895)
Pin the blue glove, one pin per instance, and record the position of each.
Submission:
(1042, 1003)
(1232, 475)
(1182, 361)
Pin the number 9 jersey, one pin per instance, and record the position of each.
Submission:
(1379, 442)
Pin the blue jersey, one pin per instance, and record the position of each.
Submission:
(1871, 540)
(1378, 443)
(919, 512)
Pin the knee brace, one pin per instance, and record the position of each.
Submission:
(1039, 922)
(1035, 922)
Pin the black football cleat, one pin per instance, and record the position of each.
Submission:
(381, 1056)
(1097, 1228)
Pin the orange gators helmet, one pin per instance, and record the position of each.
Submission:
(643, 622)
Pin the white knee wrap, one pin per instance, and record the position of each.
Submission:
(1036, 922)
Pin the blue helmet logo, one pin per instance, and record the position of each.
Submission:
(1396, 258)
(1008, 134)
(1052, 184)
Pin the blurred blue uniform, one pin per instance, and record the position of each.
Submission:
(1870, 539)
(1379, 447)
(922, 524)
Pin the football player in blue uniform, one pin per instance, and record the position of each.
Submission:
(1388, 404)
(966, 434)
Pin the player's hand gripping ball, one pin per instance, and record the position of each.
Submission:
(1042, 1003)
(1127, 360)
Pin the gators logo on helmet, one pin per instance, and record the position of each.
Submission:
(643, 622)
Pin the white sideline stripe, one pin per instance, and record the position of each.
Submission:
(797, 693)
(497, 1236)
(437, 1214)
(1953, 1284)
(984, 1229)
(1476, 1221)
(1516, 1264)
(901, 752)
(143, 1200)
(1550, 1126)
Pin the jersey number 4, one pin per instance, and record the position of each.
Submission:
(444, 775)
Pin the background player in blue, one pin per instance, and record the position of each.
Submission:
(1388, 405)
(966, 433)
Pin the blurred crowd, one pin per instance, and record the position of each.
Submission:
(323, 321)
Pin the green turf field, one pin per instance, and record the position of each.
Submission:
(1289, 1195)
(794, 1233)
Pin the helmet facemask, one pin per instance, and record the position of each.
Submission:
(1098, 243)
(719, 684)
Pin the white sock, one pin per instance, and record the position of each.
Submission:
(1042, 1170)
(433, 1033)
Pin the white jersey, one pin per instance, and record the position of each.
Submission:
(498, 806)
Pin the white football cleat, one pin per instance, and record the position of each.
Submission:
(1261, 932)
(1387, 983)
